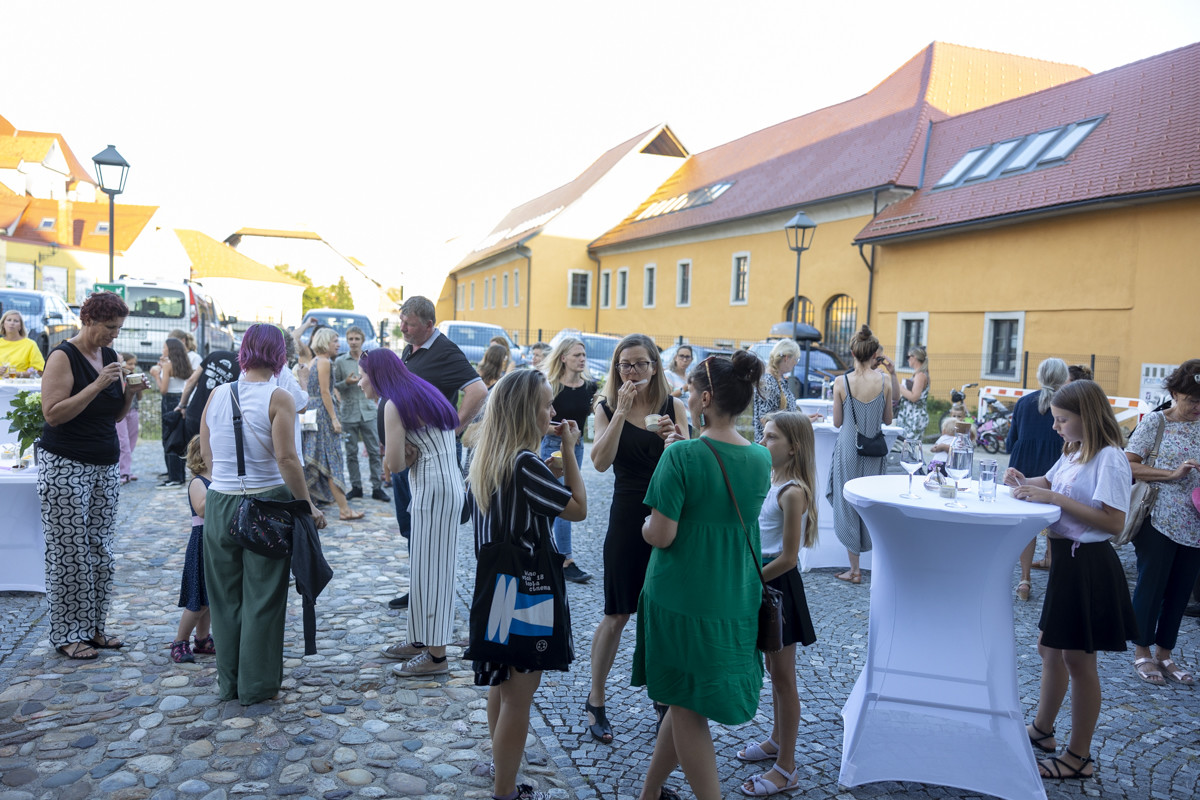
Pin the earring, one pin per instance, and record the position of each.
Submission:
(703, 422)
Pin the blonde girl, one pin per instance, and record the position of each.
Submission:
(193, 595)
(787, 522)
(1087, 605)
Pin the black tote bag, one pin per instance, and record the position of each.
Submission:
(519, 613)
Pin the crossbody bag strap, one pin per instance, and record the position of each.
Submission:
(745, 530)
(238, 441)
(1152, 456)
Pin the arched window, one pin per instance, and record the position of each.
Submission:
(841, 321)
(807, 311)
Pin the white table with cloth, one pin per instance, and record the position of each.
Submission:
(937, 700)
(22, 545)
(9, 387)
(828, 551)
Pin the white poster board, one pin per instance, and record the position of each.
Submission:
(1151, 392)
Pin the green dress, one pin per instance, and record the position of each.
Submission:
(697, 616)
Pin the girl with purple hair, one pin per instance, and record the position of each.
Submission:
(416, 426)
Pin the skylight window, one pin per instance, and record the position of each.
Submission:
(47, 224)
(1013, 156)
(681, 202)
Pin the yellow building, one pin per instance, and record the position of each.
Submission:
(1063, 223)
(533, 271)
(705, 257)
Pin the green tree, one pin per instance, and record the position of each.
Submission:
(340, 295)
(336, 296)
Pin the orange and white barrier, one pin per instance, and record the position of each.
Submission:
(1126, 408)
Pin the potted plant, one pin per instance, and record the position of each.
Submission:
(25, 419)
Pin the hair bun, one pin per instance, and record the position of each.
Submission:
(747, 367)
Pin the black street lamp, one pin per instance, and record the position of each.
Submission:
(800, 231)
(111, 169)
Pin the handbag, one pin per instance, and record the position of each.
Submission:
(770, 609)
(308, 420)
(519, 613)
(1143, 494)
(867, 446)
(259, 524)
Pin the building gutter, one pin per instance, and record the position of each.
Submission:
(527, 254)
(870, 264)
(596, 258)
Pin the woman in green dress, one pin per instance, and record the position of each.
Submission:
(698, 612)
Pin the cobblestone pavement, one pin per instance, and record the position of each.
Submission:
(134, 725)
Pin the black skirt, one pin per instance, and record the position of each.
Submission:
(1087, 605)
(797, 624)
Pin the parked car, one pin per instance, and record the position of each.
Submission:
(341, 320)
(699, 353)
(158, 307)
(599, 346)
(823, 366)
(473, 338)
(48, 319)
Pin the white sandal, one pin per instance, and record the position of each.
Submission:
(1176, 672)
(761, 787)
(754, 752)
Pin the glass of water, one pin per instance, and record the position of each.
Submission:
(987, 480)
(912, 459)
(958, 467)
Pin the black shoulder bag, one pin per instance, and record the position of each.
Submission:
(261, 525)
(868, 446)
(770, 610)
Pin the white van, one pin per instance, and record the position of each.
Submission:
(158, 307)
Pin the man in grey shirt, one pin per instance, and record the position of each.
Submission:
(357, 417)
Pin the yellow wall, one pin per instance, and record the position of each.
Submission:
(832, 267)
(1120, 282)
(41, 256)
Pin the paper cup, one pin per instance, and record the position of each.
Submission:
(556, 458)
(652, 422)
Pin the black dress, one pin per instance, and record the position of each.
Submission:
(626, 553)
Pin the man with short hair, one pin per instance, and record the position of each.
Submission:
(357, 416)
(432, 356)
(537, 352)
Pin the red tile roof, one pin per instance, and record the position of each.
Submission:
(130, 220)
(873, 140)
(530, 218)
(1148, 142)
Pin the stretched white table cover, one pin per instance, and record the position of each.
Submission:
(829, 552)
(22, 545)
(937, 700)
(8, 391)
(812, 405)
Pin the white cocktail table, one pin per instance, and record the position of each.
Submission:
(937, 700)
(22, 545)
(9, 388)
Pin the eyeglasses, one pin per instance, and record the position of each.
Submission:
(624, 367)
(684, 355)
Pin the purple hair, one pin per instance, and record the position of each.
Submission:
(417, 401)
(262, 347)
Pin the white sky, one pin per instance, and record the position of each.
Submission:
(392, 127)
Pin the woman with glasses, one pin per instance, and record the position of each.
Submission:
(634, 416)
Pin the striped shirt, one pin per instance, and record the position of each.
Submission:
(525, 507)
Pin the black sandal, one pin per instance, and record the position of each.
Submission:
(661, 710)
(1037, 741)
(600, 729)
(1059, 767)
(667, 793)
(105, 642)
(74, 651)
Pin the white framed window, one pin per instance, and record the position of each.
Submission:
(495, 284)
(487, 283)
(102, 228)
(504, 292)
(458, 298)
(649, 273)
(579, 289)
(1003, 343)
(47, 224)
(739, 279)
(683, 283)
(472, 295)
(516, 287)
(605, 288)
(912, 329)
(622, 287)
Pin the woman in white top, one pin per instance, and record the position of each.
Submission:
(1087, 606)
(247, 592)
(787, 522)
(171, 373)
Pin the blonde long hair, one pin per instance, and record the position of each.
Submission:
(552, 364)
(798, 431)
(1100, 428)
(656, 392)
(509, 426)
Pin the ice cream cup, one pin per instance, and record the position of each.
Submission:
(653, 421)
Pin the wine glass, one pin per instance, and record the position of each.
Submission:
(958, 467)
(912, 459)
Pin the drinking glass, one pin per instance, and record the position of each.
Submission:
(987, 481)
(958, 467)
(912, 458)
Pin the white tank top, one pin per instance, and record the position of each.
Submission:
(770, 523)
(262, 470)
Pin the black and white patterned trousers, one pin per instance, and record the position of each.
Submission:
(79, 515)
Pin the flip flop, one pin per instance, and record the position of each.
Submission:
(1150, 676)
(1177, 672)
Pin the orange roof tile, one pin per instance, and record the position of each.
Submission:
(528, 219)
(11, 208)
(213, 259)
(78, 171)
(873, 140)
(24, 147)
(1148, 141)
(130, 220)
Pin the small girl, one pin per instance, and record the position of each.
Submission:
(127, 429)
(942, 445)
(787, 522)
(1087, 606)
(193, 597)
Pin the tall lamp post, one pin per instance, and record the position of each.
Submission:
(111, 169)
(800, 231)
